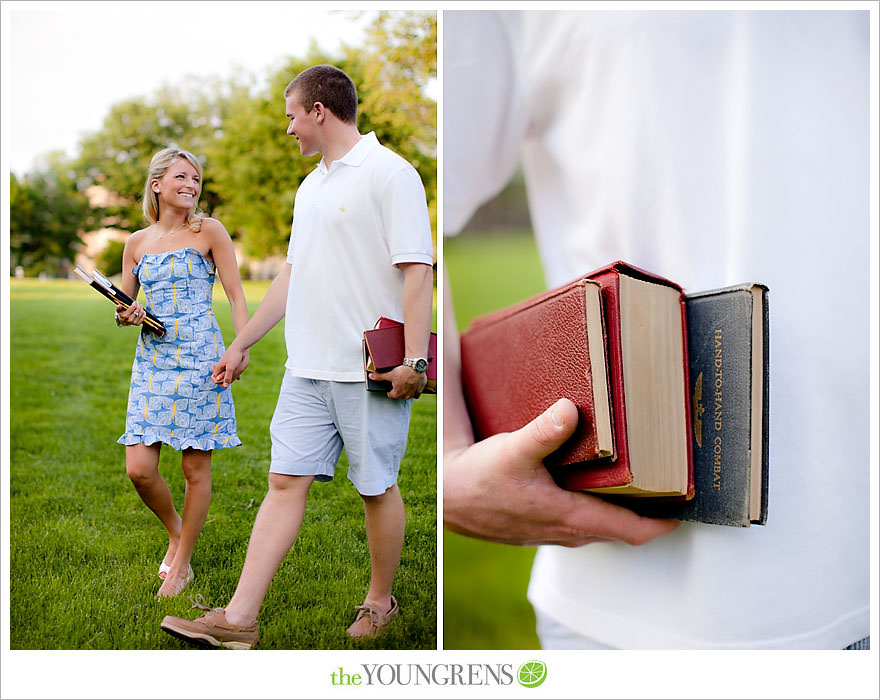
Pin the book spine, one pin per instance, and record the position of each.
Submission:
(720, 332)
(691, 490)
(612, 471)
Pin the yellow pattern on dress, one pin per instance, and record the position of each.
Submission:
(166, 421)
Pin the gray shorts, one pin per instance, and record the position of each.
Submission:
(314, 419)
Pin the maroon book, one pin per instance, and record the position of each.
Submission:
(384, 349)
(520, 360)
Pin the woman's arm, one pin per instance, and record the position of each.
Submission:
(223, 254)
(135, 314)
(270, 311)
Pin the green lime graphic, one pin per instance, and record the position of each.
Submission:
(532, 673)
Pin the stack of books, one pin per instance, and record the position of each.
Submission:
(104, 286)
(672, 390)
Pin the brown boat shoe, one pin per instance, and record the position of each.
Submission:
(369, 621)
(213, 629)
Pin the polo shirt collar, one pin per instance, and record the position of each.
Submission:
(356, 154)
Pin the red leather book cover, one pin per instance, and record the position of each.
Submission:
(617, 471)
(520, 360)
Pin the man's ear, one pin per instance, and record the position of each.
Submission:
(320, 112)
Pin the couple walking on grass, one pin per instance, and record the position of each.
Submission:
(360, 248)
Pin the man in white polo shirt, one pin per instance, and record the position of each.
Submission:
(714, 148)
(360, 248)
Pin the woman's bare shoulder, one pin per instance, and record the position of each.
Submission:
(213, 226)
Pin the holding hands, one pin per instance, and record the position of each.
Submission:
(228, 368)
(231, 366)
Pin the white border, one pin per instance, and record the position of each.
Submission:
(286, 674)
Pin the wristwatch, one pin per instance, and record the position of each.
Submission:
(419, 364)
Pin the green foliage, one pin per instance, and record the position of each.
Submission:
(252, 168)
(46, 214)
(109, 260)
(256, 167)
(84, 550)
(401, 61)
(117, 156)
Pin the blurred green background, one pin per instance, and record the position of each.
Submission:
(484, 584)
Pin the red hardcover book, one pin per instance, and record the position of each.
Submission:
(518, 361)
(533, 357)
(384, 349)
(645, 320)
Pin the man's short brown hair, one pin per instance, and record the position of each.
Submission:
(329, 86)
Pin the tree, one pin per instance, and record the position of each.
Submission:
(252, 168)
(256, 168)
(117, 157)
(109, 260)
(46, 214)
(400, 63)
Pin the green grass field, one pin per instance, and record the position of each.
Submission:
(84, 549)
(484, 584)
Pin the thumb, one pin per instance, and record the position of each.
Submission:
(547, 432)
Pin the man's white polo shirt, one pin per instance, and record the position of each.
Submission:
(352, 225)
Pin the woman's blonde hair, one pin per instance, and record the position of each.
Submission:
(158, 167)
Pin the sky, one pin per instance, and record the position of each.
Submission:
(66, 63)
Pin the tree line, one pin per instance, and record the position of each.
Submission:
(252, 168)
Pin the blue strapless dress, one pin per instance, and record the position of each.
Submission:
(172, 398)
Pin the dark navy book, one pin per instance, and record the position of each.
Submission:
(728, 349)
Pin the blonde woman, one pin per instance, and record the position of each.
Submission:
(172, 399)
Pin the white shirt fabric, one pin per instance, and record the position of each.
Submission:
(712, 148)
(352, 225)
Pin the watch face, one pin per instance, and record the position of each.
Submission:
(421, 365)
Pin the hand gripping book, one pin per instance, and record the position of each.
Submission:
(614, 342)
(97, 281)
(384, 349)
